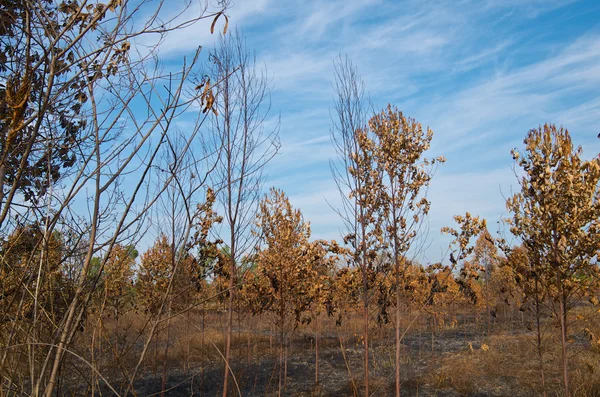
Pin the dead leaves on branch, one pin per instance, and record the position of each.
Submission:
(214, 22)
(461, 249)
(557, 211)
(291, 273)
(207, 97)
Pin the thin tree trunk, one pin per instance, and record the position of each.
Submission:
(489, 315)
(229, 317)
(317, 352)
(539, 346)
(187, 346)
(232, 230)
(285, 362)
(166, 357)
(397, 268)
(563, 340)
(398, 344)
(203, 350)
(279, 389)
(155, 369)
(539, 336)
(248, 348)
(432, 330)
(94, 364)
(239, 331)
(366, 333)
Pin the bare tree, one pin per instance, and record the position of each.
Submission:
(79, 90)
(242, 106)
(359, 183)
(185, 178)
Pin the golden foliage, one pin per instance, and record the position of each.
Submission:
(118, 277)
(291, 274)
(557, 211)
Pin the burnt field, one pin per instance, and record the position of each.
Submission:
(458, 353)
(321, 198)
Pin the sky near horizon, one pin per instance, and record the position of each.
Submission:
(479, 73)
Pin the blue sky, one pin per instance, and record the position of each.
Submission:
(479, 73)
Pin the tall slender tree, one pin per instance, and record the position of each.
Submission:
(557, 216)
(287, 278)
(400, 144)
(359, 182)
(242, 105)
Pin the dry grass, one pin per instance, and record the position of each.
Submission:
(447, 359)
(511, 363)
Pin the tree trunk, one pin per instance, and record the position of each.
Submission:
(248, 348)
(285, 362)
(203, 350)
(317, 352)
(366, 334)
(155, 369)
(187, 347)
(563, 341)
(166, 357)
(489, 316)
(229, 319)
(397, 266)
(538, 315)
(280, 386)
(539, 346)
(432, 330)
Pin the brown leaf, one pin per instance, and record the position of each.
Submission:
(214, 22)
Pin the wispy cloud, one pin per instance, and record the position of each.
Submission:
(480, 73)
(191, 36)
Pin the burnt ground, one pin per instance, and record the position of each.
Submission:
(421, 363)
(460, 358)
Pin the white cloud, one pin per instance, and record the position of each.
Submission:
(421, 59)
(324, 14)
(189, 37)
(526, 96)
(460, 67)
